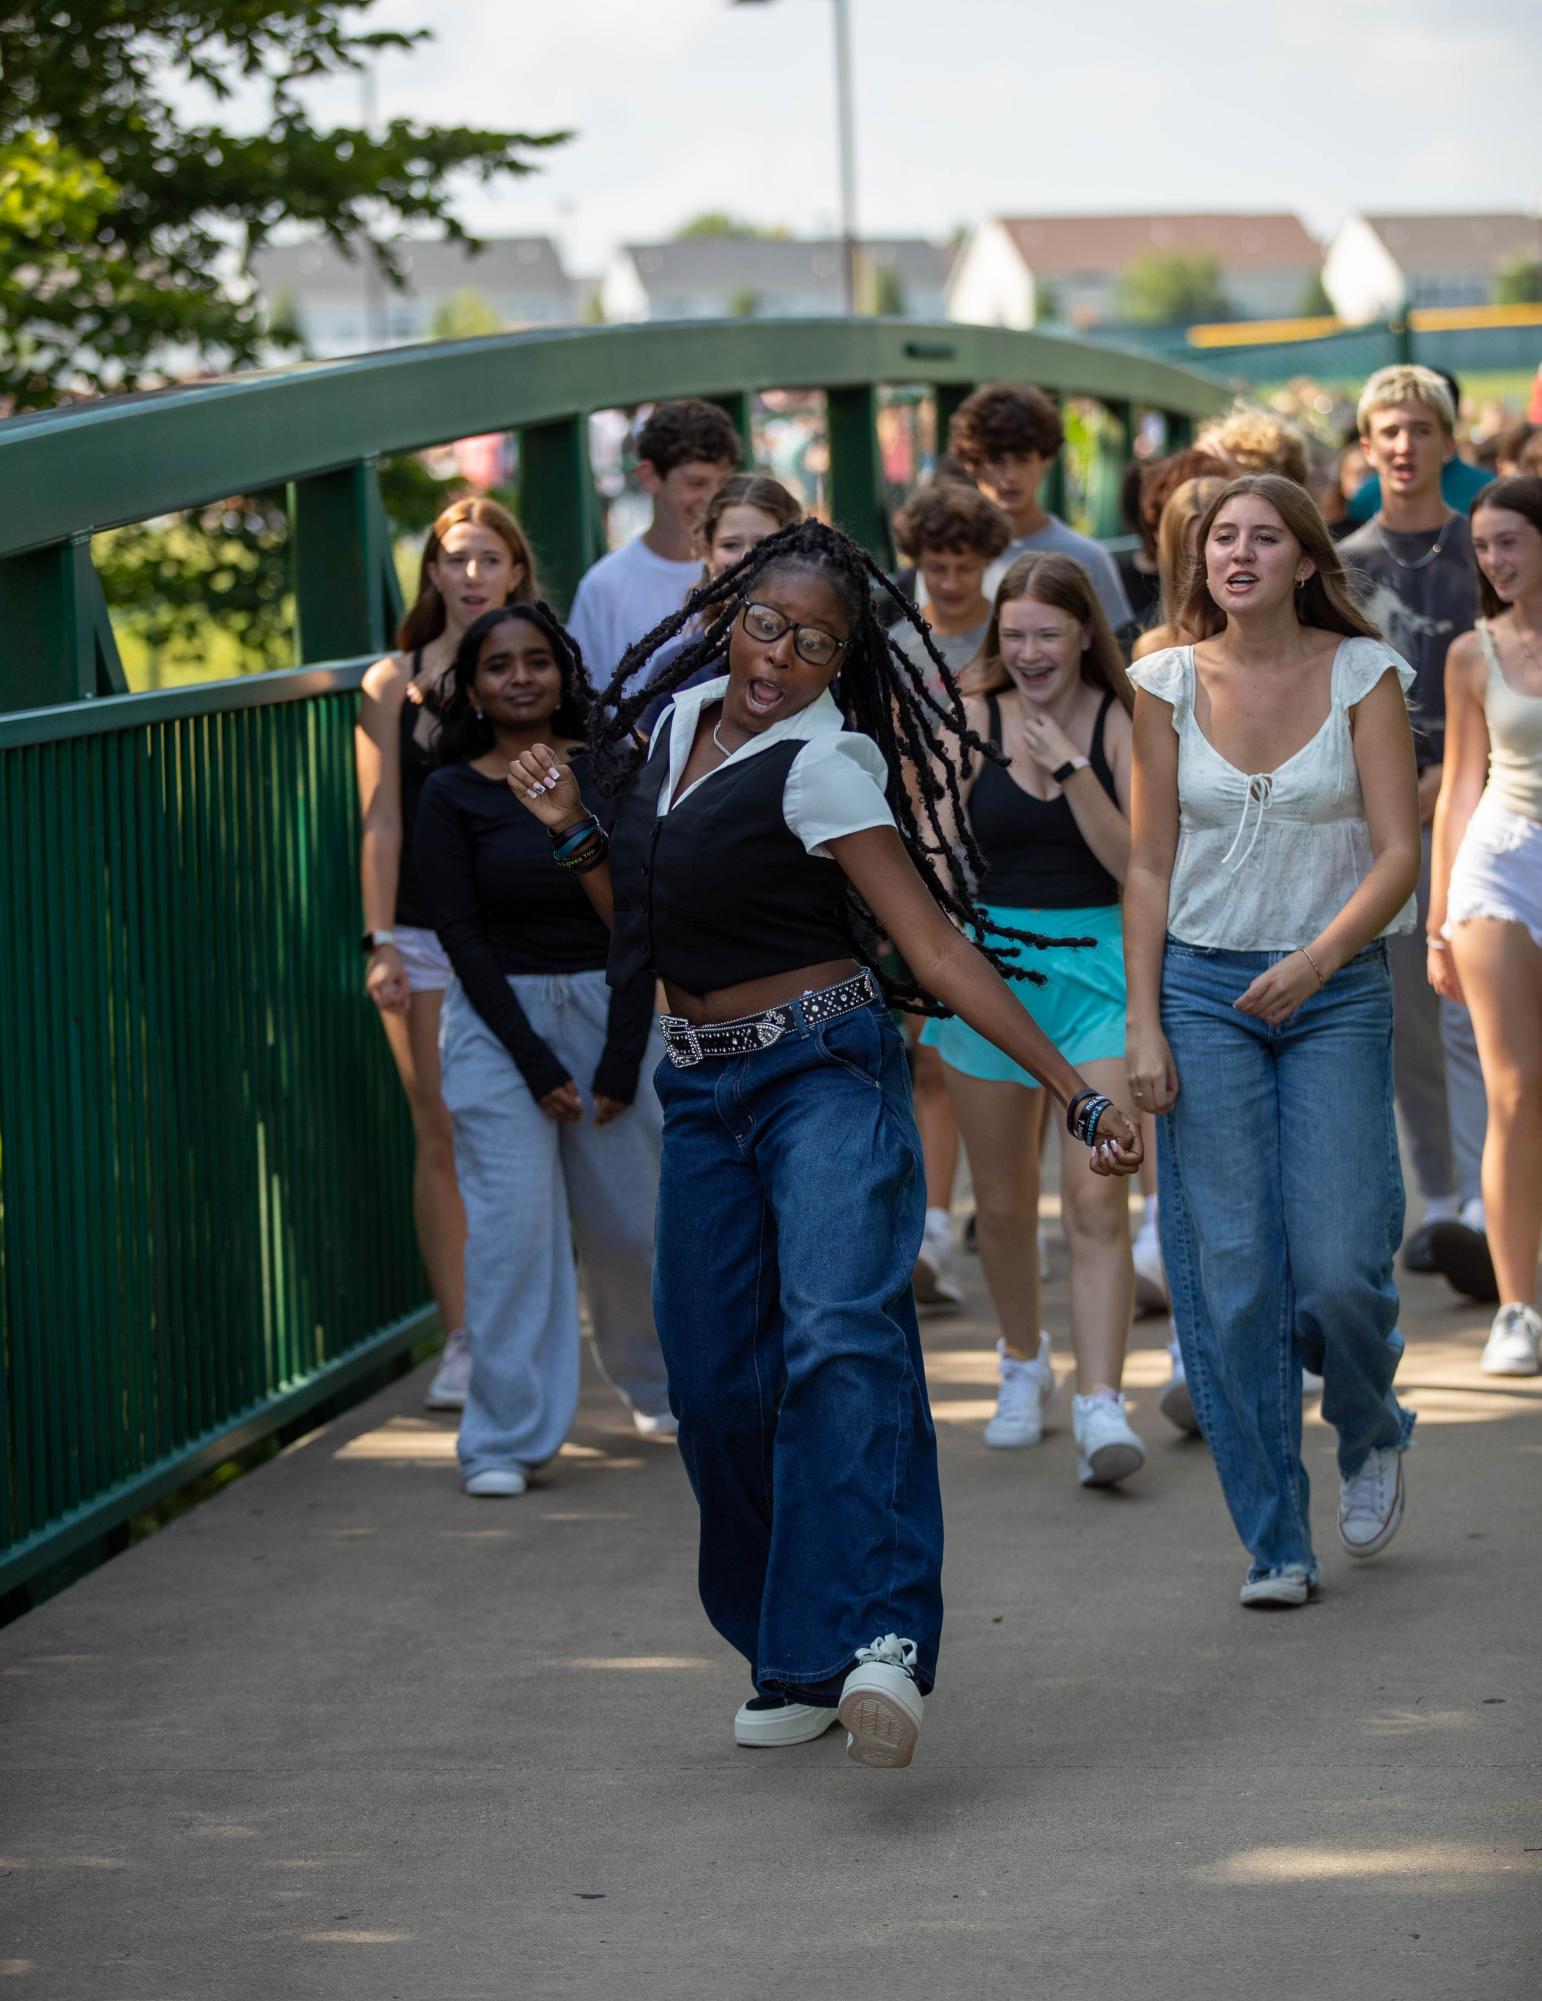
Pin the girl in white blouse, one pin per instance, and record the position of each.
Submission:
(1275, 843)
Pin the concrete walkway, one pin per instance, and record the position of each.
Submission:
(341, 1732)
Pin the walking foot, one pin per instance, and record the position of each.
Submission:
(881, 1706)
(1107, 1448)
(1371, 1504)
(1026, 1391)
(1513, 1342)
(766, 1722)
(1290, 1585)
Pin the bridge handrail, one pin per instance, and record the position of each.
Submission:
(321, 428)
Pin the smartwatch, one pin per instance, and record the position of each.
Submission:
(373, 940)
(1062, 772)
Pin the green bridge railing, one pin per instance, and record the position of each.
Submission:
(204, 1157)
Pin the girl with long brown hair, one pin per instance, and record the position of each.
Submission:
(1275, 845)
(475, 558)
(1050, 692)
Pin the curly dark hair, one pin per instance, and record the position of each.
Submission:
(925, 738)
(463, 734)
(1004, 420)
(946, 514)
(688, 428)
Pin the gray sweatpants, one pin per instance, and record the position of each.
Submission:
(1436, 1076)
(532, 1188)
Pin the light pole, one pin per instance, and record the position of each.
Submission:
(846, 125)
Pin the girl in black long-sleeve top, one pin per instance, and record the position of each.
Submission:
(554, 1139)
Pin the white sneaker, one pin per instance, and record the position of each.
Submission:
(1311, 1384)
(1150, 1273)
(1027, 1389)
(1289, 1585)
(763, 1723)
(1371, 1503)
(881, 1705)
(662, 1425)
(495, 1483)
(1106, 1448)
(452, 1378)
(934, 1282)
(1513, 1342)
(1175, 1403)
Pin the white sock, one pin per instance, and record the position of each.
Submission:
(1473, 1216)
(1442, 1209)
(939, 1220)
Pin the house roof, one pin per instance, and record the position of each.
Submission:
(527, 264)
(1059, 245)
(780, 263)
(1455, 242)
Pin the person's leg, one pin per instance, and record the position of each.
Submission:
(521, 1288)
(1095, 1212)
(612, 1174)
(719, 1318)
(438, 1214)
(1001, 1126)
(856, 1533)
(935, 1284)
(1466, 1103)
(1419, 1059)
(1223, 1243)
(1342, 1189)
(1500, 968)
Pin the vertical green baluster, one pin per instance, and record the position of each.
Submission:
(736, 404)
(1115, 436)
(948, 395)
(340, 549)
(856, 478)
(557, 503)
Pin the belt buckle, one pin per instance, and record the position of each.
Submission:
(691, 1055)
(769, 1029)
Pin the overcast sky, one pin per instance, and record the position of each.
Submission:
(966, 108)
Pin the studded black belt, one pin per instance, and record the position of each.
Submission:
(687, 1045)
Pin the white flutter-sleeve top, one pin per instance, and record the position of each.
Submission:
(1266, 859)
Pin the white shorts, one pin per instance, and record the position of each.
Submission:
(428, 970)
(1498, 870)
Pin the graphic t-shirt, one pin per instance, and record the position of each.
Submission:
(1419, 606)
(623, 596)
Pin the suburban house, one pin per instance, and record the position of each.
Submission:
(1379, 264)
(786, 277)
(1010, 266)
(342, 305)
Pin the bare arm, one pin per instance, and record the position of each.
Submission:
(377, 761)
(1463, 777)
(547, 788)
(948, 967)
(1104, 823)
(1153, 850)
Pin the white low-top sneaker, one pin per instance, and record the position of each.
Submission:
(764, 1723)
(1025, 1393)
(495, 1483)
(662, 1425)
(1150, 1274)
(881, 1705)
(1514, 1341)
(1371, 1503)
(934, 1282)
(452, 1378)
(1107, 1449)
(1175, 1402)
(1289, 1585)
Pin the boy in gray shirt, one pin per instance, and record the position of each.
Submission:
(952, 534)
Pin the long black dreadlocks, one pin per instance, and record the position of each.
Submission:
(881, 692)
(462, 732)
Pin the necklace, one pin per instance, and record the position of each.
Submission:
(718, 740)
(1419, 562)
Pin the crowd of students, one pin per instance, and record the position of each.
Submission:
(910, 857)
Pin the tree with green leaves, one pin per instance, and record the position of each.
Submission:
(1518, 281)
(1315, 302)
(717, 223)
(1165, 288)
(463, 316)
(127, 227)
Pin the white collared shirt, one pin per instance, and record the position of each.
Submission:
(835, 785)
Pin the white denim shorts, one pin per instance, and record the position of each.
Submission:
(1498, 870)
(428, 970)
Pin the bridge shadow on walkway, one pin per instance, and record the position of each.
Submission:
(342, 1732)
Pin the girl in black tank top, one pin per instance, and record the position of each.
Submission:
(1050, 691)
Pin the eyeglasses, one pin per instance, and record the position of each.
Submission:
(812, 643)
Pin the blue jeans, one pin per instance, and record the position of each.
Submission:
(791, 1202)
(1281, 1210)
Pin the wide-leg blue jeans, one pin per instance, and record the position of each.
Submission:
(791, 1203)
(1281, 1211)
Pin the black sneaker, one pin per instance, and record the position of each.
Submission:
(1461, 1257)
(1419, 1252)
